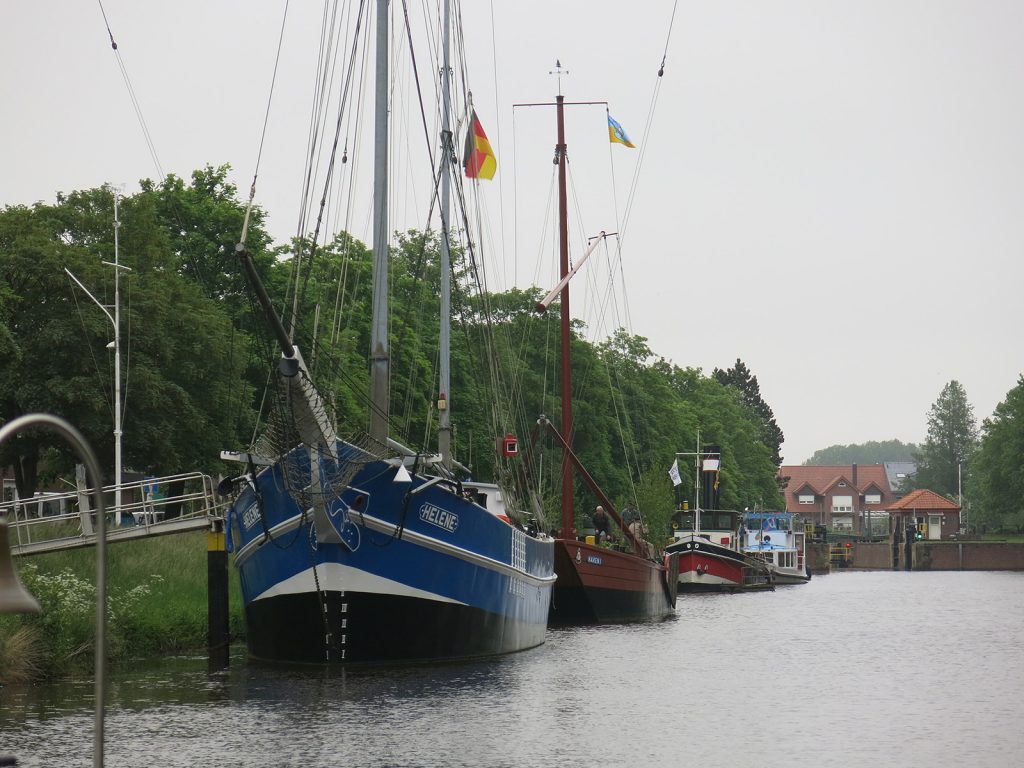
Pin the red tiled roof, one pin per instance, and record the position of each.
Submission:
(923, 499)
(836, 481)
(821, 478)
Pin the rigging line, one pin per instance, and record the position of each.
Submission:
(580, 382)
(326, 65)
(436, 170)
(266, 121)
(648, 127)
(95, 363)
(599, 320)
(419, 96)
(496, 145)
(650, 122)
(128, 356)
(131, 94)
(634, 184)
(328, 176)
(618, 224)
(629, 447)
(668, 37)
(353, 129)
(487, 331)
(317, 115)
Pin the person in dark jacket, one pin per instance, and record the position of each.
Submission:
(602, 524)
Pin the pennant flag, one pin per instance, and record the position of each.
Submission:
(478, 158)
(616, 134)
(674, 473)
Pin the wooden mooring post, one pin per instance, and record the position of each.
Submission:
(217, 629)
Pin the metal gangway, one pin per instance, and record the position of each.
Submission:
(158, 506)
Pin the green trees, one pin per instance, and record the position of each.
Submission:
(871, 452)
(952, 440)
(997, 468)
(45, 365)
(195, 352)
(741, 379)
(184, 392)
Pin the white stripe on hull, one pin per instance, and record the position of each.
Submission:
(335, 577)
(705, 580)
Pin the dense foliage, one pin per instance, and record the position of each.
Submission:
(196, 353)
(871, 452)
(997, 468)
(185, 391)
(943, 462)
(59, 640)
(743, 381)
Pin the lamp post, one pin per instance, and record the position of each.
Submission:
(115, 320)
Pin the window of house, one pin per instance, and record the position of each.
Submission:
(806, 498)
(842, 504)
(872, 498)
(842, 485)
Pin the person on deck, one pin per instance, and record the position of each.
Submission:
(639, 531)
(602, 524)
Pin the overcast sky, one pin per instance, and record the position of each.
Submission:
(831, 191)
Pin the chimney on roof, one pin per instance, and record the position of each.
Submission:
(854, 478)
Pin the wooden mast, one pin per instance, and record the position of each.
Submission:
(568, 508)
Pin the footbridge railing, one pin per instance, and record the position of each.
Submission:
(151, 507)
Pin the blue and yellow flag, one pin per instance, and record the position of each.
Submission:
(616, 134)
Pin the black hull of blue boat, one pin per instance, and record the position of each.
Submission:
(378, 629)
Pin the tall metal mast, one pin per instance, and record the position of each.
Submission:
(117, 368)
(380, 356)
(444, 435)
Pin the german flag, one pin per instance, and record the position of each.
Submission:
(478, 158)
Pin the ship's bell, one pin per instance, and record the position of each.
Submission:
(14, 598)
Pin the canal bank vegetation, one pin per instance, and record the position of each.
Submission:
(157, 605)
(197, 354)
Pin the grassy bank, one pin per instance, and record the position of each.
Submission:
(157, 604)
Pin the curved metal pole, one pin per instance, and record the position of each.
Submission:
(85, 453)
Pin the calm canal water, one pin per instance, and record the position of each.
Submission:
(853, 669)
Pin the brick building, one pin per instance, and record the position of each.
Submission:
(935, 516)
(842, 497)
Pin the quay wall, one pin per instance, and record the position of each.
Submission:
(818, 558)
(968, 556)
(874, 555)
(942, 556)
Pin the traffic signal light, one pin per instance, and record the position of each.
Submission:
(919, 533)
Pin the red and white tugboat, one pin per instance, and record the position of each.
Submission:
(707, 541)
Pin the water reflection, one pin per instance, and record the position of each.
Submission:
(870, 668)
